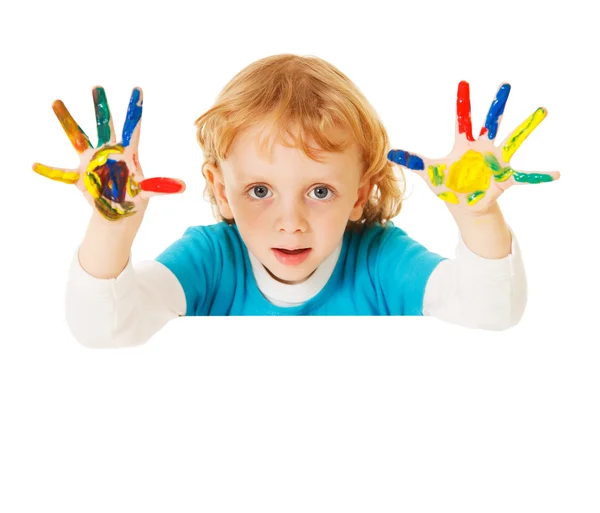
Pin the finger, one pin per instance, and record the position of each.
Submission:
(56, 173)
(131, 128)
(495, 112)
(76, 135)
(406, 159)
(515, 139)
(540, 177)
(463, 111)
(104, 124)
(161, 186)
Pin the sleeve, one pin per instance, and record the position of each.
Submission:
(196, 260)
(122, 311)
(403, 269)
(478, 292)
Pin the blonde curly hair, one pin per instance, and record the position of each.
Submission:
(313, 95)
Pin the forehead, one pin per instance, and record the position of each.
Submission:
(261, 142)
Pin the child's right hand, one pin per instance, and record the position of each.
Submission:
(110, 175)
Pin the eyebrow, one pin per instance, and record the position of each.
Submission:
(252, 176)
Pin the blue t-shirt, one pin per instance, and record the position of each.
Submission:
(380, 271)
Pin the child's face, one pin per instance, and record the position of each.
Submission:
(289, 202)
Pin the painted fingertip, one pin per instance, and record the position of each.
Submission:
(58, 105)
(162, 185)
(463, 110)
(495, 112)
(134, 115)
(139, 91)
(37, 168)
(406, 159)
(98, 93)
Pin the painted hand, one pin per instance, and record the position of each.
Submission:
(110, 175)
(476, 172)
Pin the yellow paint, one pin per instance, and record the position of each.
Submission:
(92, 183)
(436, 174)
(133, 188)
(450, 197)
(470, 173)
(506, 173)
(59, 175)
(100, 157)
(113, 212)
(522, 132)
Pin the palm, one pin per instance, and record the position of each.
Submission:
(476, 172)
(110, 175)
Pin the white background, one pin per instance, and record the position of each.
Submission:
(311, 414)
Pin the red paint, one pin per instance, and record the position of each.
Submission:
(483, 131)
(463, 110)
(163, 185)
(291, 259)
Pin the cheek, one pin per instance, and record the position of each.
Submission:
(249, 214)
(334, 211)
(330, 220)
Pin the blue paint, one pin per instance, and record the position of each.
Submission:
(496, 110)
(113, 186)
(406, 159)
(134, 115)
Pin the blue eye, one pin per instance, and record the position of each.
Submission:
(259, 192)
(321, 193)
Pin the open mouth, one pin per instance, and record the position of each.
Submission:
(291, 251)
(291, 256)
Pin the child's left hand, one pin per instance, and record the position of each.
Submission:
(476, 172)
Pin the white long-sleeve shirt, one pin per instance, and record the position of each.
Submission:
(467, 290)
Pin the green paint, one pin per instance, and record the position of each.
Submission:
(436, 174)
(475, 197)
(106, 209)
(522, 132)
(102, 116)
(504, 175)
(95, 181)
(501, 174)
(492, 162)
(532, 177)
(84, 135)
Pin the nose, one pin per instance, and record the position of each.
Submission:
(291, 217)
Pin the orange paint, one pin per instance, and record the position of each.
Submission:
(76, 135)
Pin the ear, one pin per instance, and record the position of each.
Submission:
(215, 178)
(363, 195)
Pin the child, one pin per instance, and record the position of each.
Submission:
(302, 181)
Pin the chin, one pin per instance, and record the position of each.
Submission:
(290, 276)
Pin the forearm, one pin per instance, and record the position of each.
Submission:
(486, 235)
(107, 245)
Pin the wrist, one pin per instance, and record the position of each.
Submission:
(484, 233)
